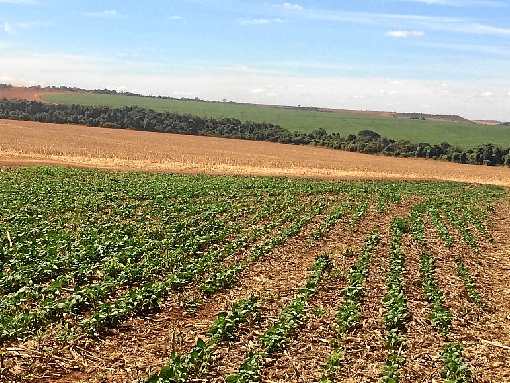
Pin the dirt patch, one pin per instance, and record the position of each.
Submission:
(30, 94)
(24, 143)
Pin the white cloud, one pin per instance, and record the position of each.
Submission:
(175, 18)
(12, 28)
(106, 13)
(486, 94)
(255, 21)
(462, 3)
(295, 7)
(404, 33)
(8, 28)
(485, 29)
(258, 90)
(259, 21)
(20, 1)
(403, 21)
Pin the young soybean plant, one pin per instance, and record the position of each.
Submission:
(277, 335)
(455, 369)
(472, 291)
(395, 304)
(226, 326)
(348, 314)
(440, 317)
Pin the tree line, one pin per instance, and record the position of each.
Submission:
(137, 118)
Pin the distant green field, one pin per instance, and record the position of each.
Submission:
(464, 135)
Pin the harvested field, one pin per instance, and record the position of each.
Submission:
(30, 143)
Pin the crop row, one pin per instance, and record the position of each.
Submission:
(275, 337)
(348, 314)
(395, 303)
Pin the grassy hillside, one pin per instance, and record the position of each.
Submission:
(465, 135)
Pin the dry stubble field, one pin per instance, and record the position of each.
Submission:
(27, 143)
(141, 344)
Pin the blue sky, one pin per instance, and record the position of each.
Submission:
(432, 56)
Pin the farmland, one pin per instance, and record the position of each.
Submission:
(25, 143)
(114, 277)
(464, 135)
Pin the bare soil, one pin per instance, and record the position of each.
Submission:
(30, 94)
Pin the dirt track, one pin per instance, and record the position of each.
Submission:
(29, 143)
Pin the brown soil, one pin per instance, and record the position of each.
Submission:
(30, 94)
(30, 143)
(487, 122)
(360, 112)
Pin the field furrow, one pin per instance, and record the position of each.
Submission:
(424, 343)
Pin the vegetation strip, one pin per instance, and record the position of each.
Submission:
(440, 317)
(395, 303)
(348, 314)
(455, 369)
(472, 291)
(441, 228)
(359, 212)
(277, 335)
(194, 364)
(417, 224)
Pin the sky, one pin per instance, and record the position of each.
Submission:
(428, 56)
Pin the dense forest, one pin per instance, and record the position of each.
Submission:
(136, 118)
